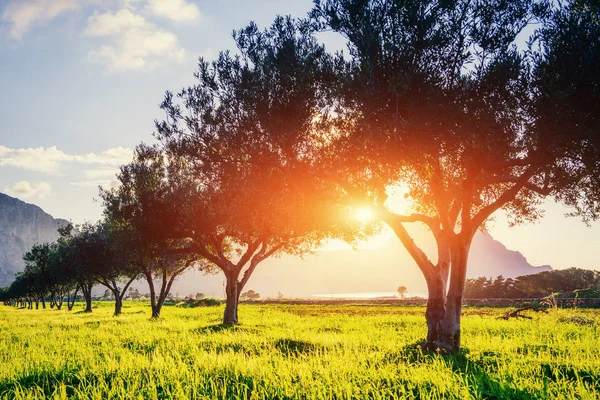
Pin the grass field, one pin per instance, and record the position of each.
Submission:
(293, 352)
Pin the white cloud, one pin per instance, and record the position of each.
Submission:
(100, 173)
(22, 15)
(177, 10)
(50, 160)
(135, 43)
(105, 177)
(109, 24)
(26, 190)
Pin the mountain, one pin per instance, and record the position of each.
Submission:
(491, 258)
(381, 266)
(21, 226)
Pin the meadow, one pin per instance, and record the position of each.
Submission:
(283, 351)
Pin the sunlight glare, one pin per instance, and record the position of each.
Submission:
(364, 214)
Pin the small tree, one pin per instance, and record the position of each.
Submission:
(402, 291)
(250, 295)
(149, 210)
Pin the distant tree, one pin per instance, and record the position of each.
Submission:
(250, 295)
(149, 207)
(134, 293)
(79, 253)
(118, 269)
(402, 291)
(200, 296)
(37, 273)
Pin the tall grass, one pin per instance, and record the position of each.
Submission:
(293, 352)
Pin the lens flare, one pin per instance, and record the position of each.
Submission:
(364, 214)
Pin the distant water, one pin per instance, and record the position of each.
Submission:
(367, 295)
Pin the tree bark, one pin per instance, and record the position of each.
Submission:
(155, 304)
(86, 288)
(436, 308)
(232, 292)
(449, 327)
(58, 300)
(71, 301)
(118, 306)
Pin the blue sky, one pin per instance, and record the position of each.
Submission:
(81, 81)
(86, 77)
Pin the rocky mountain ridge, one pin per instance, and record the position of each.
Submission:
(21, 226)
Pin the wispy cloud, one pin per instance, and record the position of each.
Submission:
(50, 160)
(26, 190)
(176, 10)
(105, 177)
(135, 43)
(22, 15)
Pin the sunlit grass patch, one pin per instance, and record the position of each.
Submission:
(293, 352)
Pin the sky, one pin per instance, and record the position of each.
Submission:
(80, 85)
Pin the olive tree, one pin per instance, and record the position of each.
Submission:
(247, 132)
(438, 98)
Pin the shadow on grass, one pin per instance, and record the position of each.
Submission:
(215, 329)
(475, 372)
(291, 347)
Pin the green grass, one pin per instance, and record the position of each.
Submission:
(293, 352)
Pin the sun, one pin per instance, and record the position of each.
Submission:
(364, 214)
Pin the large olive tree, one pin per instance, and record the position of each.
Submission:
(437, 97)
(247, 131)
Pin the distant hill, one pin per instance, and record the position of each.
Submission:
(21, 226)
(491, 258)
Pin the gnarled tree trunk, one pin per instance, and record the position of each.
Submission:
(232, 291)
(86, 288)
(449, 327)
(71, 300)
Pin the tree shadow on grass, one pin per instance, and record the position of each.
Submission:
(43, 382)
(215, 329)
(480, 382)
(291, 347)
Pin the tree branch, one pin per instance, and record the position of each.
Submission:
(504, 198)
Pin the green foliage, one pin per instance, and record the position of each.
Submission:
(292, 352)
(534, 285)
(580, 294)
(206, 302)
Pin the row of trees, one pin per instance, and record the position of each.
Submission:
(81, 258)
(531, 286)
(266, 152)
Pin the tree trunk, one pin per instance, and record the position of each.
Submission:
(118, 306)
(436, 309)
(449, 327)
(37, 303)
(71, 301)
(58, 301)
(43, 302)
(153, 303)
(232, 292)
(87, 294)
